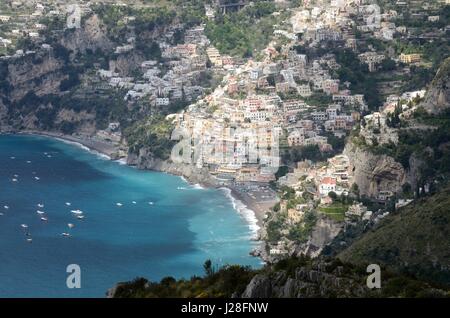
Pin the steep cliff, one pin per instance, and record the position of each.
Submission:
(37, 87)
(40, 73)
(323, 233)
(374, 173)
(438, 95)
(92, 36)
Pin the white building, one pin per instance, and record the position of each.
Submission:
(327, 185)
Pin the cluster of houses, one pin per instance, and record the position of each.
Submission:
(166, 82)
(244, 153)
(319, 180)
(24, 18)
(259, 102)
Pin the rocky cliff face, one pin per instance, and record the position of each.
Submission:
(321, 279)
(40, 74)
(146, 160)
(92, 36)
(323, 233)
(374, 173)
(31, 94)
(125, 64)
(438, 94)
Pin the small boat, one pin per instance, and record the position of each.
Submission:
(70, 225)
(1, 214)
(44, 219)
(80, 217)
(151, 203)
(28, 161)
(77, 212)
(13, 158)
(16, 176)
(68, 204)
(6, 207)
(40, 212)
(14, 180)
(40, 205)
(29, 240)
(37, 178)
(65, 234)
(119, 204)
(24, 226)
(134, 202)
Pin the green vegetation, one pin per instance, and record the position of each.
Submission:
(300, 153)
(223, 283)
(299, 232)
(320, 100)
(153, 133)
(148, 18)
(302, 231)
(274, 227)
(336, 211)
(413, 240)
(357, 73)
(282, 171)
(104, 109)
(429, 146)
(245, 32)
(433, 52)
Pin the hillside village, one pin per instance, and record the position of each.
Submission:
(272, 126)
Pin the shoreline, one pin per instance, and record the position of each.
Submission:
(102, 147)
(240, 201)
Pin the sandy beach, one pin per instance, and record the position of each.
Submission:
(259, 208)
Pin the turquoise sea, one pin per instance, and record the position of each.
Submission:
(136, 223)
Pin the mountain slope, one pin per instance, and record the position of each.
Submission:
(415, 240)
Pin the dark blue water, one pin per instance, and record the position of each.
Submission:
(170, 230)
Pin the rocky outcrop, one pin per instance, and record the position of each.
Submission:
(146, 160)
(260, 287)
(323, 233)
(126, 64)
(30, 90)
(92, 36)
(40, 73)
(438, 95)
(84, 121)
(374, 173)
(305, 282)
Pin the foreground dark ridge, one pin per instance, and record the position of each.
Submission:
(293, 277)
